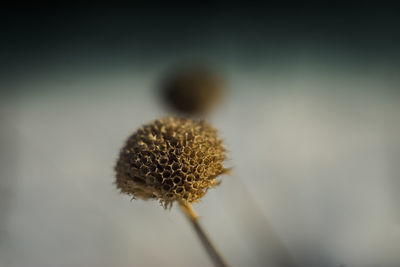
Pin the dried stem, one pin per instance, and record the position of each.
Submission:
(205, 240)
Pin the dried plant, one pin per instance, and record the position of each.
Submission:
(173, 159)
(192, 90)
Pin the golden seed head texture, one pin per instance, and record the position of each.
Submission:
(171, 159)
(192, 90)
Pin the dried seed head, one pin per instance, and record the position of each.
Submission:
(171, 159)
(192, 90)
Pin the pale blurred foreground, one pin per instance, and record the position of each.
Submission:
(318, 151)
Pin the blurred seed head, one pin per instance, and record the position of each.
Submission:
(192, 90)
(171, 159)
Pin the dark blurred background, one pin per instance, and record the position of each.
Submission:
(310, 119)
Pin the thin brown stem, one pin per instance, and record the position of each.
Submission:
(205, 240)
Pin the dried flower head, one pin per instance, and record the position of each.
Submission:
(171, 159)
(192, 89)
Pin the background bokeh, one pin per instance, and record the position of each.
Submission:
(311, 122)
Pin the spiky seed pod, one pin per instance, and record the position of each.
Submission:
(171, 159)
(192, 89)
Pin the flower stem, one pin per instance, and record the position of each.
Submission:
(205, 240)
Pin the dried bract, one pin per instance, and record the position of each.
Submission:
(171, 159)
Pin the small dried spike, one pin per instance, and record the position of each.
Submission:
(171, 159)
